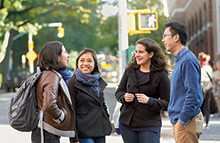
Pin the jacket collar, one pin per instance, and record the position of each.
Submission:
(89, 91)
(131, 74)
(181, 53)
(63, 86)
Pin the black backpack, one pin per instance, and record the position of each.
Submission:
(22, 112)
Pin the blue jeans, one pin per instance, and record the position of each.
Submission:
(92, 140)
(130, 136)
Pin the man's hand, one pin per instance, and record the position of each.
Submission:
(181, 125)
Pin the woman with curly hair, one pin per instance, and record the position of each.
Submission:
(144, 92)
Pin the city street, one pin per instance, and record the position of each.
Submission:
(9, 135)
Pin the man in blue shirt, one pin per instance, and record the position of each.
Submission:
(186, 90)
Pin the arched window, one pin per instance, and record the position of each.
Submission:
(200, 19)
(204, 16)
(193, 31)
(189, 29)
(210, 10)
(196, 23)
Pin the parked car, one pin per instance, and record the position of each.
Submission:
(14, 78)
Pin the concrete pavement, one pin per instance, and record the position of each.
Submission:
(9, 135)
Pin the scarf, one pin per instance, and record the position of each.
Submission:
(90, 80)
(65, 74)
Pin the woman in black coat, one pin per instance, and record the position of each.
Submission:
(86, 90)
(144, 92)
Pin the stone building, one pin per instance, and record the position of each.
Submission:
(202, 20)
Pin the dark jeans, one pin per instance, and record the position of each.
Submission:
(92, 140)
(130, 136)
(48, 137)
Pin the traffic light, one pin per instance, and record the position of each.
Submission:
(131, 21)
(147, 21)
(60, 32)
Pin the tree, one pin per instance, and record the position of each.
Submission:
(153, 5)
(109, 27)
(109, 34)
(21, 16)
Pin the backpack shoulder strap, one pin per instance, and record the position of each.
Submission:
(63, 86)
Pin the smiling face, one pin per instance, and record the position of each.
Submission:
(142, 56)
(63, 58)
(86, 63)
(169, 40)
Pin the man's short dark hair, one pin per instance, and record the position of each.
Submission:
(178, 28)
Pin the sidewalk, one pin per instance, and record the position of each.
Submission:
(9, 135)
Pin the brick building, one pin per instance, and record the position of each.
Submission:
(202, 20)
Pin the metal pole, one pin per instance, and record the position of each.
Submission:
(30, 49)
(122, 35)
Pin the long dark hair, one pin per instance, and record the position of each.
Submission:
(159, 61)
(87, 50)
(48, 56)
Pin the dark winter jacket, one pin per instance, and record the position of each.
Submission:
(155, 85)
(92, 118)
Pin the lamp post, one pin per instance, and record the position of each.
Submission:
(122, 35)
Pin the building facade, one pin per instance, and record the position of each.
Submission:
(202, 20)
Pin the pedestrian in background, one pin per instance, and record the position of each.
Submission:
(52, 97)
(144, 92)
(86, 89)
(186, 90)
(209, 105)
(216, 85)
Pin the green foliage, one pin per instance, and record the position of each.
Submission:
(109, 34)
(84, 25)
(72, 59)
(1, 79)
(79, 19)
(153, 5)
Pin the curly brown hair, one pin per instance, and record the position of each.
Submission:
(159, 61)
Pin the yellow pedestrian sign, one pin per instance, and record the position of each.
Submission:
(31, 55)
(147, 21)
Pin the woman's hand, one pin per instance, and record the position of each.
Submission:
(142, 98)
(129, 97)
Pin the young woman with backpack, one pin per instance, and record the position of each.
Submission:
(53, 96)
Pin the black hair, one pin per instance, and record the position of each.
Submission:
(178, 28)
(93, 53)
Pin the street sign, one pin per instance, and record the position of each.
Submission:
(31, 55)
(148, 21)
